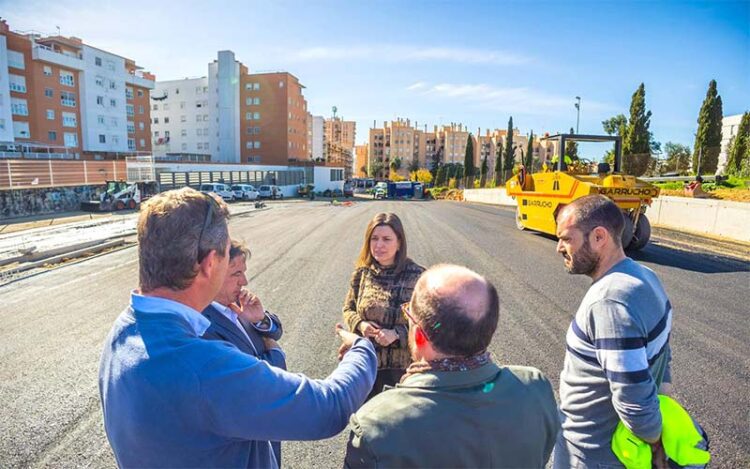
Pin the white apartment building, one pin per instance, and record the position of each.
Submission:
(181, 118)
(224, 98)
(6, 118)
(315, 136)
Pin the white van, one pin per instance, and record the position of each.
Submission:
(270, 192)
(222, 190)
(245, 192)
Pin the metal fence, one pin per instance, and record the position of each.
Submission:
(173, 180)
(31, 174)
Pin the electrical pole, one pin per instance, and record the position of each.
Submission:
(578, 112)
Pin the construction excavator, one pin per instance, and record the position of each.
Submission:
(121, 195)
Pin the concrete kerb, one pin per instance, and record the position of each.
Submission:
(103, 245)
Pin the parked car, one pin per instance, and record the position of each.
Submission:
(381, 191)
(245, 191)
(270, 192)
(222, 190)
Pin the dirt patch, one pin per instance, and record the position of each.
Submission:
(734, 195)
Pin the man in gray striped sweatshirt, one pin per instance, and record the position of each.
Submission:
(617, 344)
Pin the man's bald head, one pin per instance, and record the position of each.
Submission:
(457, 308)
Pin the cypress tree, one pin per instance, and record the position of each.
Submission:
(637, 141)
(509, 158)
(440, 177)
(530, 153)
(499, 162)
(483, 172)
(469, 163)
(708, 138)
(739, 148)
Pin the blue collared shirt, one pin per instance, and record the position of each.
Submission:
(154, 304)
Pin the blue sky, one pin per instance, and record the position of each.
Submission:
(438, 61)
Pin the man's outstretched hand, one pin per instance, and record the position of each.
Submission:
(347, 339)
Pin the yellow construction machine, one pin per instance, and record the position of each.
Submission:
(539, 195)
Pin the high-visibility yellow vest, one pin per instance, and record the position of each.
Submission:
(678, 436)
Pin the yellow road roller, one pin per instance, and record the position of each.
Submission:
(539, 195)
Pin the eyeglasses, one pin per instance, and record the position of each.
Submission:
(406, 311)
(210, 205)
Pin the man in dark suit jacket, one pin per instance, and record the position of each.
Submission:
(238, 317)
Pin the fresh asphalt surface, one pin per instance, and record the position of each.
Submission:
(52, 325)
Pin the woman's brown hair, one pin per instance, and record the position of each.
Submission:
(384, 219)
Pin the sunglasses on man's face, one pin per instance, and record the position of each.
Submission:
(211, 205)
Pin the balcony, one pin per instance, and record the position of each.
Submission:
(141, 79)
(46, 54)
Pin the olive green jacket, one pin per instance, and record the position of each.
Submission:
(487, 417)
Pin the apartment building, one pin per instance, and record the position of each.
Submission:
(232, 116)
(74, 100)
(315, 137)
(730, 126)
(361, 153)
(338, 143)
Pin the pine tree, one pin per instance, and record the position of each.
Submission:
(499, 162)
(469, 162)
(483, 172)
(530, 153)
(509, 158)
(739, 148)
(637, 141)
(571, 147)
(708, 138)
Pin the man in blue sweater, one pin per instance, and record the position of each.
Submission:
(171, 398)
(617, 344)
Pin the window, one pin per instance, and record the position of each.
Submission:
(110, 65)
(200, 146)
(50, 114)
(140, 109)
(256, 115)
(199, 104)
(100, 120)
(156, 134)
(205, 89)
(16, 60)
(131, 144)
(19, 107)
(128, 92)
(183, 133)
(198, 90)
(100, 100)
(176, 91)
(102, 138)
(113, 121)
(183, 118)
(21, 130)
(256, 144)
(256, 86)
(166, 120)
(113, 102)
(199, 132)
(2, 124)
(248, 101)
(256, 130)
(249, 145)
(52, 136)
(248, 115)
(112, 85)
(184, 147)
(129, 110)
(48, 92)
(256, 101)
(99, 81)
(47, 71)
(182, 104)
(66, 78)
(337, 175)
(197, 118)
(140, 94)
(155, 107)
(17, 83)
(142, 143)
(205, 118)
(71, 139)
(115, 139)
(156, 120)
(140, 126)
(131, 128)
(166, 106)
(281, 84)
(98, 61)
(69, 119)
(67, 99)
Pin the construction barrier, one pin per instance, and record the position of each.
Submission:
(36, 174)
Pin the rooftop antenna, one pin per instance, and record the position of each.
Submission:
(58, 30)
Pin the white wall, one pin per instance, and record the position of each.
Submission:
(6, 133)
(323, 180)
(114, 128)
(729, 128)
(224, 76)
(184, 98)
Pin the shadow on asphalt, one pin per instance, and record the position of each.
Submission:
(706, 263)
(694, 261)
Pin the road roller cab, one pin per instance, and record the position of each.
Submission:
(539, 195)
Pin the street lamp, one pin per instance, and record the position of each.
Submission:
(578, 112)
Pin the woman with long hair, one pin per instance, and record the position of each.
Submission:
(383, 279)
